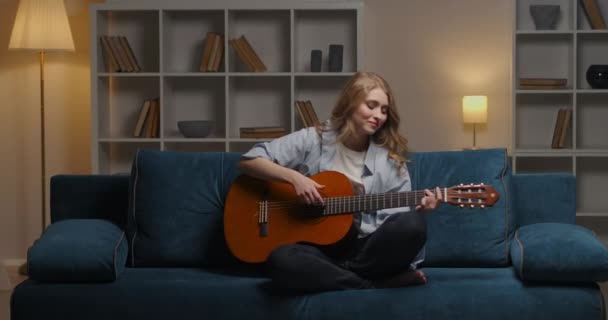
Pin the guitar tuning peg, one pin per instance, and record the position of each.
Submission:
(462, 205)
(462, 184)
(472, 206)
(482, 206)
(481, 183)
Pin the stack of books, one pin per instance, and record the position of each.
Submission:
(262, 132)
(562, 126)
(247, 54)
(148, 121)
(542, 83)
(117, 54)
(307, 113)
(213, 52)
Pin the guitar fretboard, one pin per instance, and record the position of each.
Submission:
(371, 202)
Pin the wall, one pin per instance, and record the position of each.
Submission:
(432, 52)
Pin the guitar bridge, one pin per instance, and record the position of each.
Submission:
(263, 218)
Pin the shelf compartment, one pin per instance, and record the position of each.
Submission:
(592, 48)
(259, 102)
(268, 33)
(322, 91)
(194, 98)
(591, 179)
(544, 165)
(184, 37)
(119, 101)
(591, 128)
(195, 146)
(117, 157)
(535, 118)
(525, 22)
(549, 56)
(140, 27)
(317, 29)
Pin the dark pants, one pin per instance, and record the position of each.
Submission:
(352, 263)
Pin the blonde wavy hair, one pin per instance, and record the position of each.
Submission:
(353, 94)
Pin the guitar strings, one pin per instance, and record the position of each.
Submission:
(412, 196)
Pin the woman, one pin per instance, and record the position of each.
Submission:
(361, 140)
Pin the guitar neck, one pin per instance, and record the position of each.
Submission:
(372, 202)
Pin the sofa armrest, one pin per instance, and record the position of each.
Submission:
(90, 197)
(549, 197)
(558, 252)
(78, 250)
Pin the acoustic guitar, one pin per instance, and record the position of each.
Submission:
(260, 216)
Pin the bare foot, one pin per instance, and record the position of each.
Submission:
(403, 279)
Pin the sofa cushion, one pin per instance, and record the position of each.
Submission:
(78, 250)
(176, 207)
(180, 294)
(466, 236)
(559, 252)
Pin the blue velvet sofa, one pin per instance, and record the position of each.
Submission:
(150, 245)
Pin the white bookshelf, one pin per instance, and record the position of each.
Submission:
(565, 52)
(167, 39)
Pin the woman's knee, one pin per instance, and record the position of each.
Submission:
(412, 226)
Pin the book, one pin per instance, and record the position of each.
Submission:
(593, 13)
(120, 54)
(219, 55)
(111, 63)
(241, 54)
(254, 57)
(311, 113)
(565, 127)
(214, 51)
(543, 81)
(141, 119)
(206, 52)
(559, 119)
(130, 55)
(303, 115)
(262, 129)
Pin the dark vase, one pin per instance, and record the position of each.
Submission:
(597, 76)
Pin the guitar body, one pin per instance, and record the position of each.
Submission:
(285, 222)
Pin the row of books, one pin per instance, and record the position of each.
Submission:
(593, 13)
(148, 121)
(542, 83)
(563, 123)
(262, 132)
(307, 113)
(118, 55)
(213, 52)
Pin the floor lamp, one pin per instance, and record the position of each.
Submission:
(41, 25)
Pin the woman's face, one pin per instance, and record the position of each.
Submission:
(372, 113)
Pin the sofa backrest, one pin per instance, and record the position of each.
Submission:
(176, 203)
(176, 208)
(466, 236)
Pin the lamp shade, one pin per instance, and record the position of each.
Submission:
(41, 25)
(474, 109)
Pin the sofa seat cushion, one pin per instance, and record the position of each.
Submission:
(176, 208)
(466, 237)
(451, 293)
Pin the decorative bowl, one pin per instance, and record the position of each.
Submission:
(195, 128)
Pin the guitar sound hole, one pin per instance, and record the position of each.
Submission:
(311, 211)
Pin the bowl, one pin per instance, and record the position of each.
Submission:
(195, 128)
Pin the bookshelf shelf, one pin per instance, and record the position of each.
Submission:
(168, 40)
(563, 53)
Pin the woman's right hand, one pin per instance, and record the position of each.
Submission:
(306, 189)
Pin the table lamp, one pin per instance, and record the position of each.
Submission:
(41, 25)
(474, 111)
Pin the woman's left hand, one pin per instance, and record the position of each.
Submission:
(430, 201)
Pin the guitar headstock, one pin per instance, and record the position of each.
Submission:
(472, 195)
